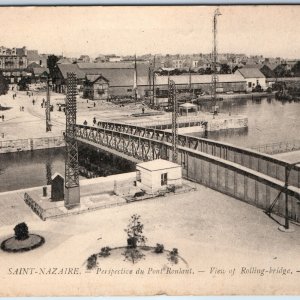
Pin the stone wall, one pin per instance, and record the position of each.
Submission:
(31, 144)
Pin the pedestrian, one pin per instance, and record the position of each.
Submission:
(22, 108)
(143, 110)
(33, 101)
(94, 121)
(85, 122)
(94, 104)
(2, 118)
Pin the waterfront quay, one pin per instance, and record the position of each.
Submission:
(24, 129)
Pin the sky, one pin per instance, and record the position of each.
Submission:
(268, 30)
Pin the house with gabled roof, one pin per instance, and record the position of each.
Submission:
(254, 78)
(95, 87)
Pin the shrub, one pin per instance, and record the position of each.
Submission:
(134, 232)
(92, 262)
(173, 256)
(21, 232)
(133, 255)
(105, 251)
(159, 248)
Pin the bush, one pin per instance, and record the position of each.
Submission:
(105, 251)
(92, 262)
(159, 248)
(173, 256)
(21, 232)
(134, 232)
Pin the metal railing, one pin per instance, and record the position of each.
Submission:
(280, 147)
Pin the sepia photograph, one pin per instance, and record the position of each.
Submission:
(149, 150)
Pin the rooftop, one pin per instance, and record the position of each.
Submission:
(250, 73)
(157, 164)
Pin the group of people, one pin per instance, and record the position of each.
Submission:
(21, 108)
(14, 96)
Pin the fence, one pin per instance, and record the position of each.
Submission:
(279, 147)
(31, 144)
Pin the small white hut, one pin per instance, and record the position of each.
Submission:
(157, 175)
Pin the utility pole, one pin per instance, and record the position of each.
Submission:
(153, 82)
(135, 81)
(172, 99)
(214, 62)
(48, 118)
(72, 191)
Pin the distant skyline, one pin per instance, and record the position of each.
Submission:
(270, 31)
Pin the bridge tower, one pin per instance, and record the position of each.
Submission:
(72, 191)
(172, 100)
(214, 62)
(48, 118)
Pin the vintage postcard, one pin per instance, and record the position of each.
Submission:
(150, 150)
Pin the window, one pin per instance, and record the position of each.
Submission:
(129, 90)
(138, 176)
(249, 84)
(164, 179)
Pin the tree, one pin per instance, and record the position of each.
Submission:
(51, 64)
(296, 69)
(280, 71)
(23, 84)
(225, 69)
(3, 85)
(134, 232)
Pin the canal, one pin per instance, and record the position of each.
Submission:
(269, 121)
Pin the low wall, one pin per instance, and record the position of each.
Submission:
(31, 144)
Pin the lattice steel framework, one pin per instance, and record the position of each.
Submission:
(72, 197)
(214, 61)
(172, 99)
(48, 117)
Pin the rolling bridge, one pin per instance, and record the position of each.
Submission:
(253, 177)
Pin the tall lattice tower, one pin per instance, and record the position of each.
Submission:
(72, 191)
(172, 99)
(48, 118)
(214, 62)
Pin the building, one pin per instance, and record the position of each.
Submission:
(40, 74)
(177, 63)
(199, 83)
(84, 59)
(34, 57)
(59, 80)
(95, 87)
(13, 62)
(157, 175)
(254, 78)
(188, 109)
(120, 77)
